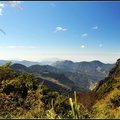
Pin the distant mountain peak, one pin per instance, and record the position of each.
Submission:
(68, 61)
(97, 61)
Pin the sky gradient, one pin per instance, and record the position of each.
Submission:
(78, 31)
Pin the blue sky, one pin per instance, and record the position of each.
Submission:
(78, 31)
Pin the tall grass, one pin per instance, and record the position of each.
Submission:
(75, 107)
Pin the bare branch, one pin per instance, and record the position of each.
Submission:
(2, 31)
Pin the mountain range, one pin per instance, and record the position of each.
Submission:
(84, 73)
(81, 76)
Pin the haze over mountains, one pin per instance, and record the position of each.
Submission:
(65, 75)
(25, 62)
(51, 61)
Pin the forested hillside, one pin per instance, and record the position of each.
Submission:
(107, 94)
(22, 95)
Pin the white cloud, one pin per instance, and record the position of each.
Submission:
(60, 29)
(95, 27)
(32, 47)
(84, 35)
(82, 46)
(1, 8)
(15, 3)
(100, 45)
(2, 5)
(11, 47)
(18, 47)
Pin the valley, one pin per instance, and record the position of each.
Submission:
(80, 76)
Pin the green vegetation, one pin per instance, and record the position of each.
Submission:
(24, 96)
(21, 96)
(107, 94)
(109, 106)
(77, 109)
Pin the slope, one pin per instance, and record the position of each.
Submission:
(107, 95)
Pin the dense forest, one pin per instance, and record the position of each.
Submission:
(23, 96)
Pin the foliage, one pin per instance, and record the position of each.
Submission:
(77, 109)
(107, 94)
(23, 96)
(6, 72)
(108, 107)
